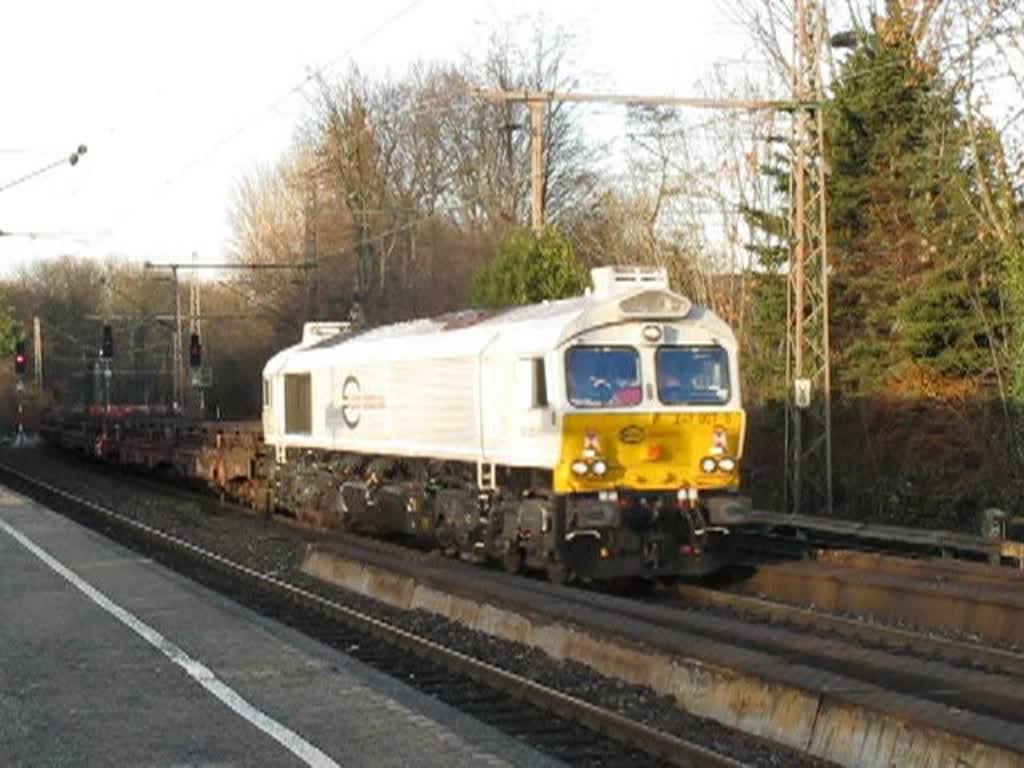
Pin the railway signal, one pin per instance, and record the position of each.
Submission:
(195, 352)
(20, 358)
(107, 345)
(178, 368)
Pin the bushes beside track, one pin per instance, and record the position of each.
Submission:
(932, 462)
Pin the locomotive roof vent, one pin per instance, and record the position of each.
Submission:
(614, 280)
(313, 333)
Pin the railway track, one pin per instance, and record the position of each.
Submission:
(870, 631)
(867, 630)
(862, 630)
(952, 599)
(566, 727)
(838, 645)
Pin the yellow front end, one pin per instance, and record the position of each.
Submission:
(653, 451)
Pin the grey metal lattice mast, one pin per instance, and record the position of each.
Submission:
(195, 312)
(808, 482)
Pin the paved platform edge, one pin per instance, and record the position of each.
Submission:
(459, 730)
(827, 724)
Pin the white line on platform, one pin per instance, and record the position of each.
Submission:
(198, 671)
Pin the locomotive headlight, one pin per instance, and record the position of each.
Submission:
(708, 464)
(580, 467)
(652, 333)
(599, 467)
(727, 464)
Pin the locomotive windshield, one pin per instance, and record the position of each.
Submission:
(601, 377)
(693, 375)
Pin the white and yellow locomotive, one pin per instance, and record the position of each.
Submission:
(599, 436)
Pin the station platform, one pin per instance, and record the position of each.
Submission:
(107, 658)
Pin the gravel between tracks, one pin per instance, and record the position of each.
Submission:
(274, 548)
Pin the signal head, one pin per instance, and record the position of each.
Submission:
(107, 345)
(20, 358)
(195, 351)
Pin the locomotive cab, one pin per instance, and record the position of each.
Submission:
(652, 436)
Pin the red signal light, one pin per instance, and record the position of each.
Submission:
(20, 358)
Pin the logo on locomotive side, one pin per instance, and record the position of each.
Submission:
(350, 401)
(349, 412)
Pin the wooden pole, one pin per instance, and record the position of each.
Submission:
(537, 166)
(37, 352)
(177, 362)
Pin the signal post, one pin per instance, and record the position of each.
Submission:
(20, 367)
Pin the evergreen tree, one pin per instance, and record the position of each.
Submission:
(529, 269)
(907, 260)
(764, 353)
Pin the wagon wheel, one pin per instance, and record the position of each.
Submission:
(512, 561)
(558, 572)
(445, 536)
(343, 516)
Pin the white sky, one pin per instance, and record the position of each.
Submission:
(160, 91)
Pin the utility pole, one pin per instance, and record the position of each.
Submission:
(106, 343)
(176, 355)
(538, 100)
(37, 352)
(310, 214)
(537, 109)
(195, 312)
(808, 438)
(195, 308)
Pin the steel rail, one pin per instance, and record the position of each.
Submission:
(636, 735)
(883, 635)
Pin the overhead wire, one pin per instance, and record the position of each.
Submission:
(221, 143)
(317, 72)
(437, 104)
(235, 287)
